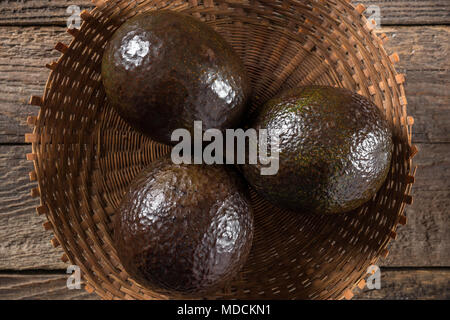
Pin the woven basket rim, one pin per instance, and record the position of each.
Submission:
(37, 138)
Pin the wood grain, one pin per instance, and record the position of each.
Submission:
(23, 242)
(393, 12)
(39, 286)
(433, 173)
(408, 284)
(424, 58)
(23, 55)
(423, 51)
(38, 12)
(424, 241)
(410, 12)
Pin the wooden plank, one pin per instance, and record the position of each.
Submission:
(39, 12)
(23, 242)
(393, 12)
(424, 241)
(40, 286)
(407, 12)
(410, 284)
(433, 173)
(423, 51)
(23, 55)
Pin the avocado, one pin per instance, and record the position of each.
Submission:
(163, 70)
(335, 148)
(184, 230)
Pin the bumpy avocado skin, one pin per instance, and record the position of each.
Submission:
(335, 149)
(162, 70)
(184, 230)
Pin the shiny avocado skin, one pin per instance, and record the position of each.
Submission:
(184, 230)
(162, 70)
(335, 150)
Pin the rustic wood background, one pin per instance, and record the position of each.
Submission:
(418, 266)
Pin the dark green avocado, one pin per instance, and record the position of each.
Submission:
(163, 70)
(184, 230)
(335, 148)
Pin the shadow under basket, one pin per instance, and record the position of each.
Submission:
(85, 156)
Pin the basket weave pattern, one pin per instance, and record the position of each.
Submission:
(85, 156)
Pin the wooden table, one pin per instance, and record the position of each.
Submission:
(418, 266)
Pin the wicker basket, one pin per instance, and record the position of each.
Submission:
(85, 156)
